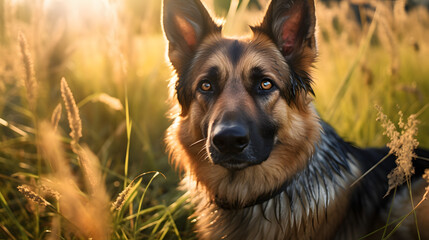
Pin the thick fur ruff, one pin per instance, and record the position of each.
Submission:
(258, 161)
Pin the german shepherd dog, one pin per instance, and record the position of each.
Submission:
(258, 161)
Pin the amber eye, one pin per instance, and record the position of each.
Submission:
(205, 86)
(266, 84)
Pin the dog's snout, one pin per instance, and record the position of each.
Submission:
(230, 139)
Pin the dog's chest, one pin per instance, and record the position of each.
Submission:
(274, 219)
(310, 209)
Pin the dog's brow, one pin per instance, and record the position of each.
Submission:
(213, 73)
(256, 73)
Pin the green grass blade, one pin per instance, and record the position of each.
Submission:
(388, 216)
(173, 224)
(369, 170)
(141, 201)
(12, 127)
(3, 227)
(129, 125)
(412, 205)
(142, 212)
(402, 219)
(24, 233)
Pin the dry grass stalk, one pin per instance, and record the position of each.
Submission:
(402, 144)
(55, 233)
(30, 79)
(75, 122)
(426, 177)
(93, 175)
(52, 150)
(32, 196)
(56, 116)
(110, 101)
(89, 214)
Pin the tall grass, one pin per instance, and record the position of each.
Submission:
(111, 55)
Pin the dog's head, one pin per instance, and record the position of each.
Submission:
(246, 123)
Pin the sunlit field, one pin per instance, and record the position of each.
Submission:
(84, 105)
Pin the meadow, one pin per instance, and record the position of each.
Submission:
(84, 105)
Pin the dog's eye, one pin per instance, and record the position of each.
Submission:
(206, 86)
(266, 84)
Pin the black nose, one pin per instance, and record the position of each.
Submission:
(231, 138)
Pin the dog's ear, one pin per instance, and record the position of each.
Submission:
(291, 25)
(186, 23)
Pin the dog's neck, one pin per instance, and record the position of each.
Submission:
(261, 199)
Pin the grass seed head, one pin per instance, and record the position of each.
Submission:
(49, 192)
(72, 113)
(122, 197)
(32, 196)
(402, 144)
(30, 79)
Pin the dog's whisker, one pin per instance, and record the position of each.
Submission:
(197, 142)
(202, 150)
(205, 158)
(203, 155)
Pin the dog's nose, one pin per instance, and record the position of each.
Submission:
(231, 138)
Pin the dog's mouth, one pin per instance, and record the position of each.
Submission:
(234, 164)
(249, 156)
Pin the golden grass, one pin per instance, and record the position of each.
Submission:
(124, 48)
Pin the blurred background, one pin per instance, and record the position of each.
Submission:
(112, 53)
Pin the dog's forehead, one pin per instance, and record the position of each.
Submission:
(239, 54)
